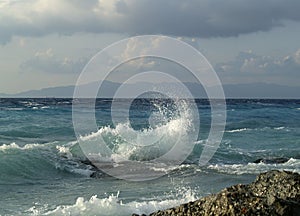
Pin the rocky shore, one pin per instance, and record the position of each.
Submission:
(272, 193)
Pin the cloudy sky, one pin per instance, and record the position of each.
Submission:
(46, 43)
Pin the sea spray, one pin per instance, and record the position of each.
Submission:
(113, 204)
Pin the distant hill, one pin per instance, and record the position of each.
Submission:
(254, 90)
(64, 91)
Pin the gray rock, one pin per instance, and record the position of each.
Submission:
(271, 160)
(272, 193)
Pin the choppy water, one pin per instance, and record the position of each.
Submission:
(41, 168)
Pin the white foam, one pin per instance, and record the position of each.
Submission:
(147, 144)
(257, 129)
(16, 146)
(113, 205)
(13, 109)
(179, 167)
(279, 128)
(201, 142)
(31, 104)
(164, 169)
(256, 168)
(238, 130)
(83, 172)
(65, 151)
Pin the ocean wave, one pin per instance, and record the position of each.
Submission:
(113, 205)
(37, 161)
(42, 160)
(122, 142)
(256, 168)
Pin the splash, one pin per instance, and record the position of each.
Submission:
(166, 129)
(113, 205)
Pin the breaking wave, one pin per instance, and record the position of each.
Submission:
(33, 162)
(165, 131)
(113, 205)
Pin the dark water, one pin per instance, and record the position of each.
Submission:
(41, 169)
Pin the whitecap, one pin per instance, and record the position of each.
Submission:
(16, 146)
(238, 130)
(292, 165)
(279, 128)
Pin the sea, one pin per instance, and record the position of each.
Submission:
(44, 171)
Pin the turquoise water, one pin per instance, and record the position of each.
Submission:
(42, 169)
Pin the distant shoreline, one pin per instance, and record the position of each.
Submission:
(108, 90)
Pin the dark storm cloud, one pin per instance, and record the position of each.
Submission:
(209, 18)
(197, 18)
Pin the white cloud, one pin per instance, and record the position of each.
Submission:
(297, 56)
(44, 54)
(47, 61)
(251, 67)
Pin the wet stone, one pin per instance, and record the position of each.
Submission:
(272, 193)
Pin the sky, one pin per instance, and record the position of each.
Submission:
(47, 43)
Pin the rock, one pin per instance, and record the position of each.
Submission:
(272, 193)
(271, 160)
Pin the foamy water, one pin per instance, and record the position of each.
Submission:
(113, 205)
(292, 165)
(45, 172)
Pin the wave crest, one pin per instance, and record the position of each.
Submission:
(123, 142)
(256, 168)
